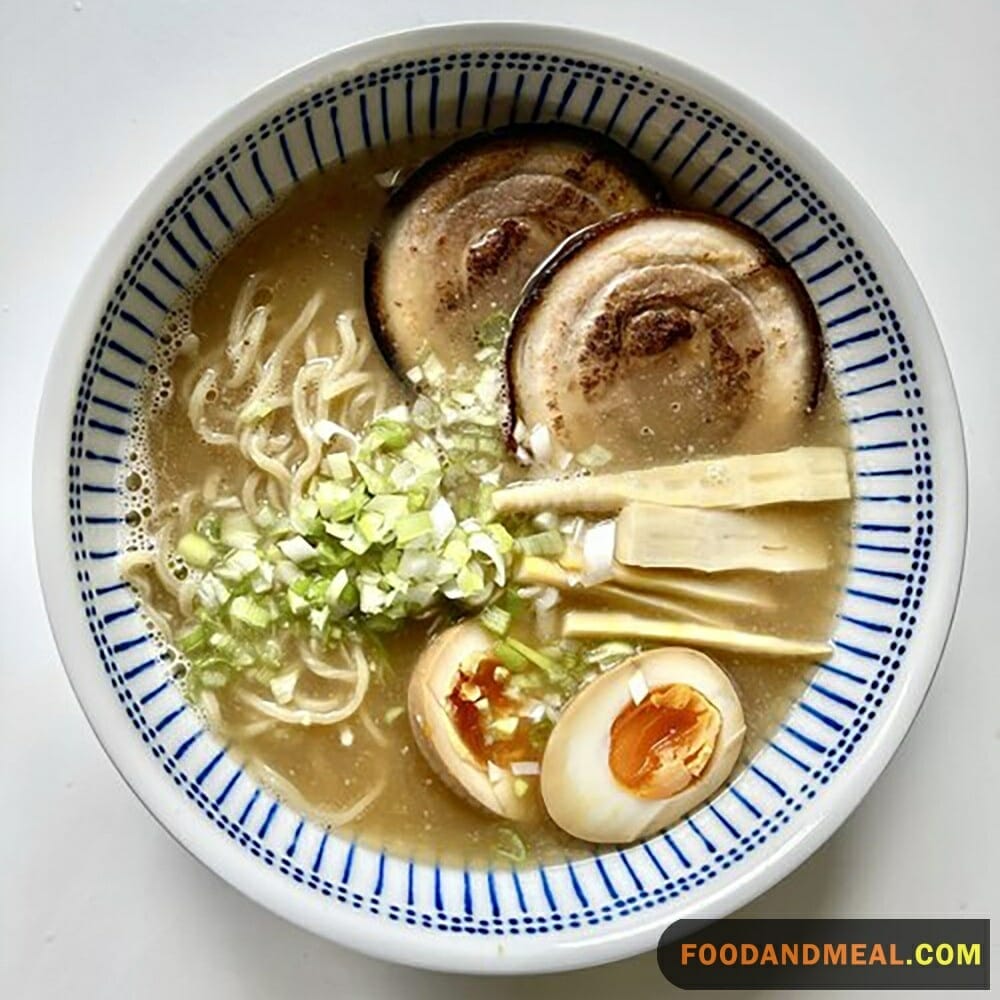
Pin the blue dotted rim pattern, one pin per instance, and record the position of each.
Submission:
(715, 163)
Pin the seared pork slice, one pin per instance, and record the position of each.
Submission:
(467, 229)
(661, 333)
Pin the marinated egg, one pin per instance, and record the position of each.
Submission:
(641, 746)
(469, 725)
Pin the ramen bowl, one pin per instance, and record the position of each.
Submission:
(724, 153)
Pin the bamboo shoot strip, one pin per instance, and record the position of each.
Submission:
(655, 604)
(798, 475)
(536, 571)
(675, 583)
(697, 587)
(543, 573)
(604, 624)
(712, 541)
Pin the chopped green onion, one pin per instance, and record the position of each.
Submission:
(387, 433)
(509, 656)
(249, 612)
(340, 530)
(512, 602)
(549, 666)
(373, 598)
(545, 543)
(297, 549)
(500, 535)
(608, 653)
(238, 565)
(594, 457)
(329, 495)
(370, 525)
(193, 639)
(212, 592)
(297, 603)
(338, 464)
(349, 506)
(414, 526)
(391, 506)
(511, 844)
(470, 579)
(374, 481)
(335, 588)
(493, 330)
(318, 618)
(434, 371)
(196, 550)
(495, 619)
(212, 679)
(505, 726)
(210, 526)
(307, 510)
(422, 457)
(356, 543)
(266, 517)
(238, 531)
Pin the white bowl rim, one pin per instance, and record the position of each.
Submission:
(381, 938)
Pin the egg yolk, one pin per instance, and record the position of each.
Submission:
(471, 722)
(664, 743)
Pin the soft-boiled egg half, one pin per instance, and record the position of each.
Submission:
(471, 725)
(641, 746)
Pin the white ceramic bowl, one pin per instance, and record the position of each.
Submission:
(727, 153)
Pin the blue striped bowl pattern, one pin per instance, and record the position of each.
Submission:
(716, 160)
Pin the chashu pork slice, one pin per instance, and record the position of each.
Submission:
(468, 228)
(663, 333)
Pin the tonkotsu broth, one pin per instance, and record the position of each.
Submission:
(316, 239)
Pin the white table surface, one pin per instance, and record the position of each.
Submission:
(96, 900)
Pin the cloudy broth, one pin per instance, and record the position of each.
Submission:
(316, 239)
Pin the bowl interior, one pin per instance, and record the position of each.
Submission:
(721, 155)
